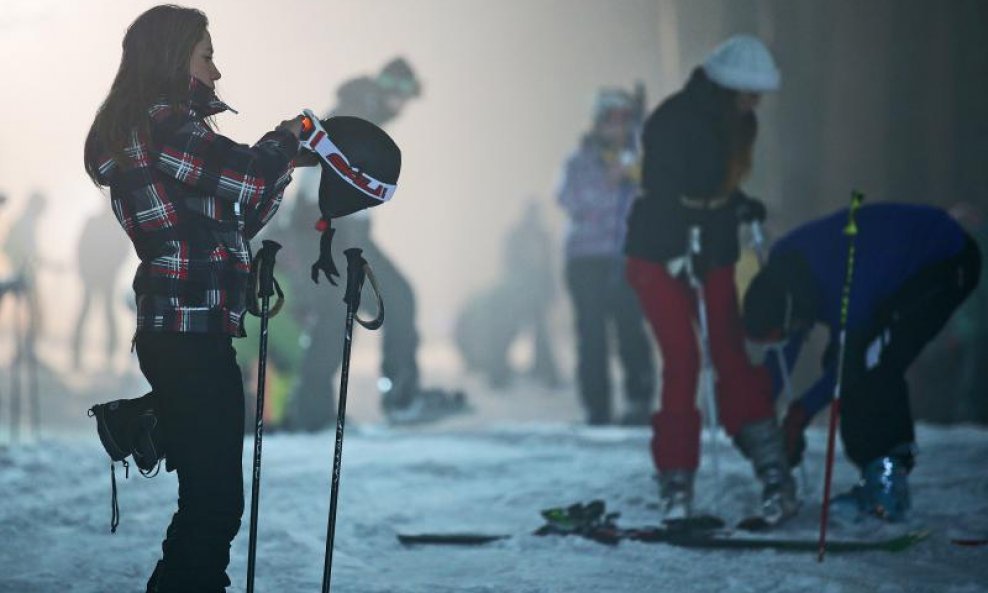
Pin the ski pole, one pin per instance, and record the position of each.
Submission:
(357, 270)
(262, 284)
(851, 231)
(16, 372)
(32, 360)
(758, 241)
(707, 373)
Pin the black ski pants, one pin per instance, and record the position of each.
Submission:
(875, 412)
(602, 299)
(201, 401)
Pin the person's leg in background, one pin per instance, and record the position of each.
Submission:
(80, 328)
(583, 280)
(400, 338)
(312, 405)
(635, 351)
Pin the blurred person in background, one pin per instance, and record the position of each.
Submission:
(21, 244)
(378, 99)
(596, 189)
(697, 150)
(519, 303)
(101, 251)
(951, 375)
(902, 295)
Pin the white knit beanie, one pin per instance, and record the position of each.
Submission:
(743, 63)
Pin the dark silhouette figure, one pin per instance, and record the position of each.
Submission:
(102, 250)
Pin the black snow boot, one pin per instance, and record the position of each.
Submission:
(130, 427)
(762, 443)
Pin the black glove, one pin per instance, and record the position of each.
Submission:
(750, 209)
(325, 262)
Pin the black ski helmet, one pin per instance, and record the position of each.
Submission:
(360, 166)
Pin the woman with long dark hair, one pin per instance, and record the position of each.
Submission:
(697, 149)
(190, 200)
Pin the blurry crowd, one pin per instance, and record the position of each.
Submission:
(598, 183)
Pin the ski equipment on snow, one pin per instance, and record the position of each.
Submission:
(593, 521)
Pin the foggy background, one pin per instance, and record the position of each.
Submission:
(886, 96)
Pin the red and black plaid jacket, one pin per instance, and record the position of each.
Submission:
(190, 200)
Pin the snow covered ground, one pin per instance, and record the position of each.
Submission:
(55, 513)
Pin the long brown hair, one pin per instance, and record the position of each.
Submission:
(741, 130)
(738, 131)
(157, 50)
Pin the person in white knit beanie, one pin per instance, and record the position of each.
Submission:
(744, 64)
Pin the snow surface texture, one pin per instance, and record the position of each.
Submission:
(54, 533)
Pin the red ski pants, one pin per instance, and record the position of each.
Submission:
(744, 392)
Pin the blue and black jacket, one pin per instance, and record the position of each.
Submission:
(895, 242)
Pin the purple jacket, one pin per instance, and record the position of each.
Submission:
(596, 206)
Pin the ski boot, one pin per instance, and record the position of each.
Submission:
(423, 406)
(676, 494)
(883, 491)
(762, 443)
(130, 427)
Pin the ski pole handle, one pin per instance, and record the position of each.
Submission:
(262, 283)
(357, 270)
(265, 259)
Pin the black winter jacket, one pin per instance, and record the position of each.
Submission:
(685, 155)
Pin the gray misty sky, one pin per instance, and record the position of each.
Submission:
(508, 86)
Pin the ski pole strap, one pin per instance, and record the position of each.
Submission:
(357, 270)
(262, 283)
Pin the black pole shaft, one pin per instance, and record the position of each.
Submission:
(255, 489)
(355, 281)
(263, 272)
(338, 453)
